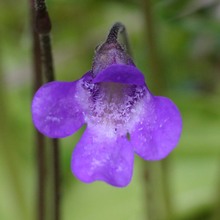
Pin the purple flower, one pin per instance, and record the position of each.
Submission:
(122, 116)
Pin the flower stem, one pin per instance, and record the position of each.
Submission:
(43, 28)
(40, 141)
(157, 170)
(56, 165)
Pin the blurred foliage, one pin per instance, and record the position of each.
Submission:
(187, 34)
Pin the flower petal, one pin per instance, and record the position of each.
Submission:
(120, 73)
(55, 111)
(102, 158)
(158, 133)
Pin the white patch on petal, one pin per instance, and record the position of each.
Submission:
(112, 108)
(53, 119)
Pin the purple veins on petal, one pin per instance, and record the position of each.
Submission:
(158, 131)
(102, 158)
(55, 110)
(111, 104)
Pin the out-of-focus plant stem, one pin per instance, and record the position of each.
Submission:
(156, 173)
(154, 203)
(43, 28)
(216, 213)
(39, 139)
(8, 157)
(47, 62)
(154, 57)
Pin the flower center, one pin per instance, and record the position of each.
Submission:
(112, 107)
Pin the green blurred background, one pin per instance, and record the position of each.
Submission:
(187, 38)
